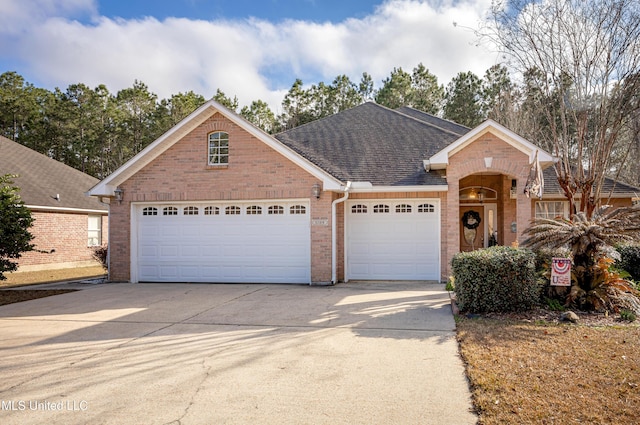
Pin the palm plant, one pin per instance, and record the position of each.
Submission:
(591, 242)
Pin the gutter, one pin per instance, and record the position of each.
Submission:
(334, 232)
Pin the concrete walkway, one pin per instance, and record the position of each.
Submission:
(361, 353)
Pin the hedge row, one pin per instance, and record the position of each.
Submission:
(497, 279)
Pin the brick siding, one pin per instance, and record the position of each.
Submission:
(254, 171)
(64, 232)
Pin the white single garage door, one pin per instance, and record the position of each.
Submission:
(262, 242)
(391, 239)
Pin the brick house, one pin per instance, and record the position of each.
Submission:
(369, 193)
(68, 224)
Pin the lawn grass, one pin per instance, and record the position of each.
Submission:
(551, 373)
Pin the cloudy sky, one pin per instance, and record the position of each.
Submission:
(253, 49)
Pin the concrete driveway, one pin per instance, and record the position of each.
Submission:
(357, 353)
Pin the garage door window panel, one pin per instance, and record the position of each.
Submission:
(211, 210)
(359, 209)
(232, 210)
(150, 211)
(297, 210)
(169, 211)
(403, 208)
(254, 210)
(381, 209)
(426, 208)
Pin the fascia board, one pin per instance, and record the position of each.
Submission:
(63, 209)
(441, 159)
(399, 189)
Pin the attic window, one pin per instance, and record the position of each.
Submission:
(218, 148)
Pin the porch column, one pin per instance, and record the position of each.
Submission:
(452, 228)
(523, 215)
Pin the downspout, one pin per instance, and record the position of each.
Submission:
(334, 233)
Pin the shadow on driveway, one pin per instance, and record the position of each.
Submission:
(197, 353)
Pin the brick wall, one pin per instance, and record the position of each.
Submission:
(507, 161)
(65, 233)
(254, 171)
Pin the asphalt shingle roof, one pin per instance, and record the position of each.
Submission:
(41, 179)
(551, 185)
(372, 143)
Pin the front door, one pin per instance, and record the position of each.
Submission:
(472, 227)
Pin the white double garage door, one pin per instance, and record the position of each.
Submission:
(270, 242)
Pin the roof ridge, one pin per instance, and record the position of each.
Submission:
(434, 116)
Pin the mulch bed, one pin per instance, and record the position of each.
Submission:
(10, 296)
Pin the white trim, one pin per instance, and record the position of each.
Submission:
(400, 189)
(441, 159)
(63, 209)
(192, 121)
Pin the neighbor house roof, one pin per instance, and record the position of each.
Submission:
(46, 183)
(616, 188)
(372, 143)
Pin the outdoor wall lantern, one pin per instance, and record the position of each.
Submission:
(315, 190)
(119, 192)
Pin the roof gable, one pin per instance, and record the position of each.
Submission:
(107, 186)
(441, 159)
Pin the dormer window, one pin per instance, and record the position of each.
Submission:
(218, 148)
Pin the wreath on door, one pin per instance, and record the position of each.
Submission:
(471, 219)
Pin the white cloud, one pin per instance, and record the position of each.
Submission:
(241, 57)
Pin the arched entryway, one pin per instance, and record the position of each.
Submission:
(487, 209)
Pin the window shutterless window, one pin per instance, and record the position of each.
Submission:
(218, 148)
(94, 230)
(552, 209)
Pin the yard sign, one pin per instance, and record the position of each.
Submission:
(561, 272)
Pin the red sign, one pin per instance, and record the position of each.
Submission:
(561, 272)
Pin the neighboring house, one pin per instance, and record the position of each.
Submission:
(368, 193)
(68, 223)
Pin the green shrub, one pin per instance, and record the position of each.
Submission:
(496, 279)
(628, 315)
(630, 260)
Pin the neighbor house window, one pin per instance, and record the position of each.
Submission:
(218, 148)
(552, 209)
(95, 230)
